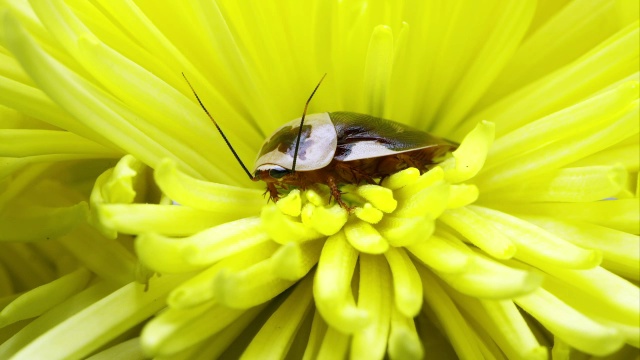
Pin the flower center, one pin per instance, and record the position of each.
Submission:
(398, 212)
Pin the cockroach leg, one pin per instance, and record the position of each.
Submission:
(273, 192)
(336, 194)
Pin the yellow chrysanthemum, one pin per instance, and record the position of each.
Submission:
(128, 230)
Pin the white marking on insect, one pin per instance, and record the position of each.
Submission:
(317, 149)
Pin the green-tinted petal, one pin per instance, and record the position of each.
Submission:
(404, 341)
(488, 279)
(277, 333)
(442, 254)
(570, 325)
(611, 60)
(109, 259)
(462, 337)
(588, 113)
(41, 223)
(175, 330)
(616, 214)
(114, 313)
(535, 245)
(480, 232)
(199, 288)
(199, 194)
(621, 251)
(37, 301)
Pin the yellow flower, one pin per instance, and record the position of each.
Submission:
(128, 230)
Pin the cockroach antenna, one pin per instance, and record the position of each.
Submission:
(304, 113)
(220, 130)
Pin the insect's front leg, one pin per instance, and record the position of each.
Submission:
(336, 194)
(273, 192)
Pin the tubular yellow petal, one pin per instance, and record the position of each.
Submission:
(378, 196)
(413, 184)
(214, 347)
(151, 97)
(96, 198)
(536, 246)
(276, 335)
(177, 329)
(220, 241)
(401, 178)
(51, 222)
(368, 213)
(39, 326)
(487, 279)
(124, 183)
(497, 48)
(570, 325)
(328, 220)
(582, 142)
(621, 154)
(442, 254)
(34, 102)
(130, 348)
(332, 286)
(35, 302)
(621, 250)
(335, 345)
(248, 287)
(588, 113)
(429, 202)
(292, 261)
(469, 158)
(463, 339)
(365, 238)
(139, 218)
(582, 184)
(316, 198)
(82, 98)
(404, 341)
(80, 335)
(203, 195)
(560, 39)
(401, 231)
(158, 252)
(503, 319)
(612, 59)
(317, 333)
(374, 297)
(407, 288)
(291, 204)
(106, 258)
(199, 288)
(284, 228)
(480, 232)
(23, 142)
(615, 214)
(461, 195)
(605, 294)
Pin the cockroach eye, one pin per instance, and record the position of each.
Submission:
(278, 173)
